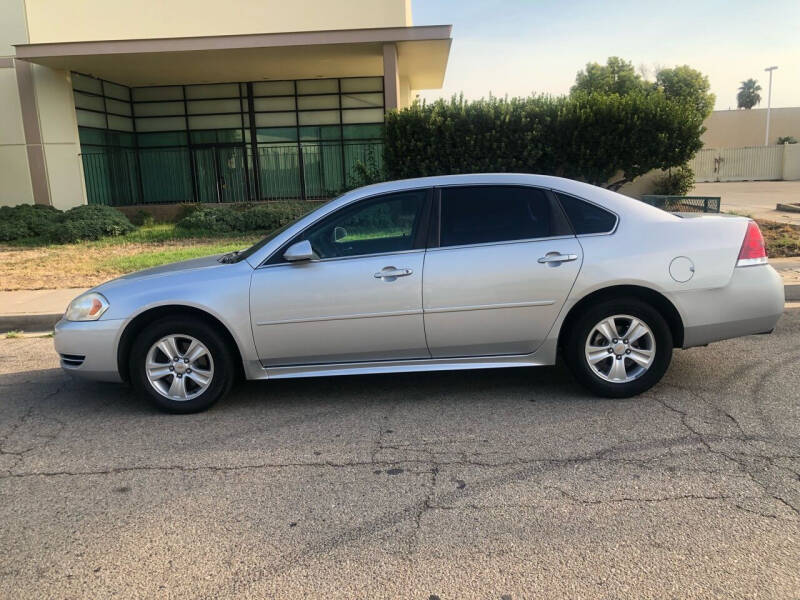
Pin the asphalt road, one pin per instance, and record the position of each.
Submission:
(494, 484)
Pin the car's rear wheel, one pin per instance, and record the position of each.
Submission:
(182, 364)
(619, 348)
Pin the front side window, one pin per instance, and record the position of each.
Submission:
(484, 214)
(386, 224)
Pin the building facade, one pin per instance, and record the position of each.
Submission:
(120, 103)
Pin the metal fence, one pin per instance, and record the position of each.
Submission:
(757, 163)
(225, 173)
(684, 203)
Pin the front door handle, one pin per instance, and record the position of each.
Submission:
(557, 257)
(391, 273)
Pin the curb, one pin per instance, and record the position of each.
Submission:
(47, 322)
(40, 322)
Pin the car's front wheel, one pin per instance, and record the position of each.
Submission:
(182, 364)
(619, 348)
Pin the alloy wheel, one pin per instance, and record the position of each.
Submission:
(179, 367)
(620, 348)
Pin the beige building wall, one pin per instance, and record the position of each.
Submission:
(741, 128)
(15, 177)
(94, 20)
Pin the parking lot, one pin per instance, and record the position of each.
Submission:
(485, 484)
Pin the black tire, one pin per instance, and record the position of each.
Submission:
(575, 355)
(224, 370)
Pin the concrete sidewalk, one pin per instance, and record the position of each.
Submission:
(39, 310)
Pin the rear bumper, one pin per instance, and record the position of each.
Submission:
(751, 303)
(88, 349)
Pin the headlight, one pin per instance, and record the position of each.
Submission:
(87, 307)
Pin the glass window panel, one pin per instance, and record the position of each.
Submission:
(317, 86)
(213, 106)
(326, 132)
(362, 132)
(274, 103)
(362, 100)
(586, 218)
(362, 84)
(121, 123)
(115, 106)
(275, 119)
(276, 134)
(160, 124)
(91, 119)
(91, 136)
(119, 92)
(118, 138)
(87, 101)
(273, 88)
(87, 84)
(320, 117)
(172, 92)
(215, 122)
(385, 224)
(174, 138)
(484, 214)
(217, 90)
(157, 109)
(316, 102)
(216, 136)
(363, 115)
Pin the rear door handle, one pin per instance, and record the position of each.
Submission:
(391, 273)
(557, 257)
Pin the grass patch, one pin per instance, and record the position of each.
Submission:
(146, 260)
(781, 239)
(12, 335)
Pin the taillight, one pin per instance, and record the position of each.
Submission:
(753, 251)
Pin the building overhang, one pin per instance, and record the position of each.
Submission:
(422, 52)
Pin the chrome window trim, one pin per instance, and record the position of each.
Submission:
(612, 231)
(332, 212)
(504, 242)
(338, 258)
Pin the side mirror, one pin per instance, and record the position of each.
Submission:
(299, 251)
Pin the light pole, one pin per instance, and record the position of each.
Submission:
(769, 103)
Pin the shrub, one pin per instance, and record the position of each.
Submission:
(585, 136)
(89, 222)
(675, 182)
(26, 220)
(212, 219)
(787, 139)
(243, 218)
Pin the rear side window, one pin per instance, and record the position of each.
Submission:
(483, 214)
(586, 217)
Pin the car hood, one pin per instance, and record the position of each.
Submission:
(184, 265)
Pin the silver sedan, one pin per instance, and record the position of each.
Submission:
(441, 273)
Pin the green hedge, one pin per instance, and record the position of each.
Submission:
(243, 218)
(587, 136)
(76, 224)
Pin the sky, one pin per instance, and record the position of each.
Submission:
(519, 47)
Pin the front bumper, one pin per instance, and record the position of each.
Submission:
(751, 303)
(89, 348)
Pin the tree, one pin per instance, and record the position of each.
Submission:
(748, 95)
(617, 76)
(687, 84)
(787, 139)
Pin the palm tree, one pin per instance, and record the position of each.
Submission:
(748, 95)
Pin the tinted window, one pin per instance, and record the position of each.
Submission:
(385, 224)
(481, 214)
(585, 217)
